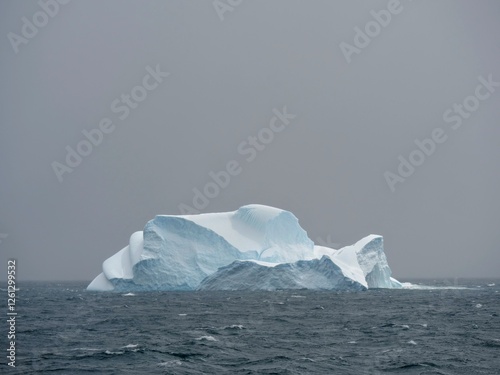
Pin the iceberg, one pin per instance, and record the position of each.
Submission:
(304, 274)
(256, 247)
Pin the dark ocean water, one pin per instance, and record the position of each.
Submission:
(63, 329)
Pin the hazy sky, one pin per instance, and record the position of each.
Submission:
(359, 102)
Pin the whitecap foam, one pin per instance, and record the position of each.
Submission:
(235, 326)
(130, 346)
(206, 338)
(411, 286)
(411, 342)
(128, 295)
(111, 353)
(170, 363)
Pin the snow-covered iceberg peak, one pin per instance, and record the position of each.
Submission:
(180, 252)
(372, 261)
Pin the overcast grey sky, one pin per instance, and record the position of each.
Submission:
(359, 103)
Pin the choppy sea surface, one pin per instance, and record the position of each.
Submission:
(452, 327)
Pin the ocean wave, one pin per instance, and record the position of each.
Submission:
(173, 363)
(114, 353)
(411, 286)
(235, 326)
(206, 338)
